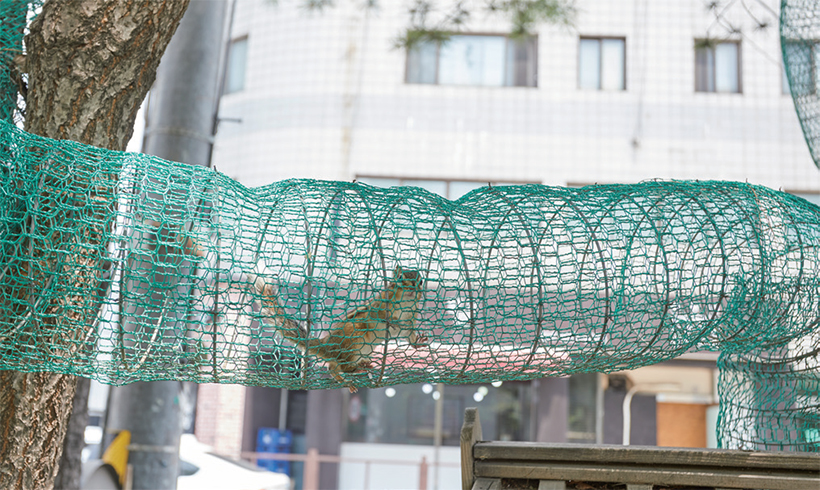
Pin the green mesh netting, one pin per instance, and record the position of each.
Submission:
(125, 267)
(512, 282)
(800, 43)
(13, 14)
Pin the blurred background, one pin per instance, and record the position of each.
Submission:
(605, 91)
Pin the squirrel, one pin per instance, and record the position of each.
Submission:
(348, 347)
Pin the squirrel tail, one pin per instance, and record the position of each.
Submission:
(268, 297)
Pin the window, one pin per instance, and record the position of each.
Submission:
(451, 189)
(480, 60)
(717, 66)
(237, 55)
(601, 63)
(582, 412)
(405, 414)
(812, 197)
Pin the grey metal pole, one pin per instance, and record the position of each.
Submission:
(179, 126)
(283, 409)
(599, 408)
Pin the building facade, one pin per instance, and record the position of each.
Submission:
(632, 90)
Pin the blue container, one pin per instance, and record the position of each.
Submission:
(270, 440)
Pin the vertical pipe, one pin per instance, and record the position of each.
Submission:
(311, 475)
(627, 406)
(283, 409)
(179, 127)
(423, 469)
(627, 409)
(599, 408)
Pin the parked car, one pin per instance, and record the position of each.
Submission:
(201, 469)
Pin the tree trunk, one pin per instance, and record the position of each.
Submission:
(71, 464)
(90, 64)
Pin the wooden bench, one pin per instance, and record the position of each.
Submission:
(547, 466)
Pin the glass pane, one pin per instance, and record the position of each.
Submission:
(235, 80)
(459, 188)
(435, 186)
(421, 63)
(405, 414)
(472, 60)
(726, 68)
(494, 50)
(589, 64)
(812, 198)
(612, 64)
(583, 390)
(704, 69)
(378, 181)
(521, 62)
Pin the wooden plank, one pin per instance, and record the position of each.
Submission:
(487, 484)
(470, 433)
(638, 486)
(655, 474)
(531, 451)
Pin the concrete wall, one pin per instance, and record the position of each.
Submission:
(220, 414)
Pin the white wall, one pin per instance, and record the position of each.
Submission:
(397, 477)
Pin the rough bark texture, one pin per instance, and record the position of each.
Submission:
(70, 468)
(90, 64)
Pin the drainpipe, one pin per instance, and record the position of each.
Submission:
(653, 388)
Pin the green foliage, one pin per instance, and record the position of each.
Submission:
(317, 4)
(423, 30)
(526, 15)
(436, 20)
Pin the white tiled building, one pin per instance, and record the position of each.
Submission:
(325, 95)
(635, 90)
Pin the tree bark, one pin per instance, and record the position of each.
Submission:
(71, 465)
(90, 64)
